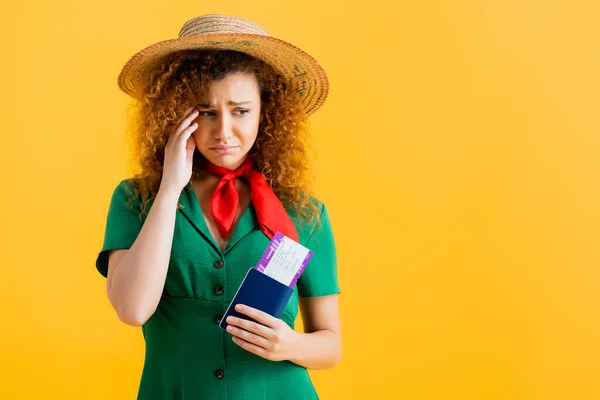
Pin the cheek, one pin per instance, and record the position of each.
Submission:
(199, 134)
(250, 131)
(249, 137)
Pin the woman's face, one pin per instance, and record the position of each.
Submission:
(228, 120)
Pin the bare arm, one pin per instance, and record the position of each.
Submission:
(136, 277)
(320, 347)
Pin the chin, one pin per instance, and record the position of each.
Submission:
(227, 161)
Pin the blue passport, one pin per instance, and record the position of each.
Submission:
(259, 291)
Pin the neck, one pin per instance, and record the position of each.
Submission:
(209, 182)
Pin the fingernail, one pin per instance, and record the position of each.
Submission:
(239, 307)
(229, 319)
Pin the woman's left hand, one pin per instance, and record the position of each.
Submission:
(270, 338)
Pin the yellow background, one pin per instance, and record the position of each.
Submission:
(458, 154)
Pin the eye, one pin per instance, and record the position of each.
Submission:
(242, 111)
(206, 113)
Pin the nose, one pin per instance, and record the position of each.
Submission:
(222, 128)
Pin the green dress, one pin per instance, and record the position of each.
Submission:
(187, 355)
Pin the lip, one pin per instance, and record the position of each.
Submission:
(223, 149)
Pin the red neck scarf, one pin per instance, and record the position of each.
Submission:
(271, 215)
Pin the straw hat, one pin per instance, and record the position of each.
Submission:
(224, 32)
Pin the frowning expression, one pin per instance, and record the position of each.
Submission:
(228, 120)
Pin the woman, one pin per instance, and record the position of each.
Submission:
(219, 134)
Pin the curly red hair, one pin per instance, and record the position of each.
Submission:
(279, 152)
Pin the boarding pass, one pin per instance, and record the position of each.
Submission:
(284, 260)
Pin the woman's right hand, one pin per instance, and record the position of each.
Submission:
(179, 153)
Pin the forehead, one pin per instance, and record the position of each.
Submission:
(240, 86)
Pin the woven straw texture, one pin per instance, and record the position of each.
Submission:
(223, 32)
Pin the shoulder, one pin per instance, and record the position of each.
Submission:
(126, 188)
(318, 216)
(126, 192)
(315, 207)
(128, 185)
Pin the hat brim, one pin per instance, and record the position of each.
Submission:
(301, 70)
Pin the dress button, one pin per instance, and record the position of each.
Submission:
(219, 374)
(218, 319)
(218, 264)
(218, 290)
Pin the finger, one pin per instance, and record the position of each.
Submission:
(248, 336)
(252, 348)
(257, 315)
(250, 326)
(187, 132)
(185, 114)
(186, 122)
(175, 135)
(177, 128)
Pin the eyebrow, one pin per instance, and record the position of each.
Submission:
(231, 103)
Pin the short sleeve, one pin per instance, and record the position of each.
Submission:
(123, 224)
(320, 278)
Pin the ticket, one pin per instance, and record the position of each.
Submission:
(284, 260)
